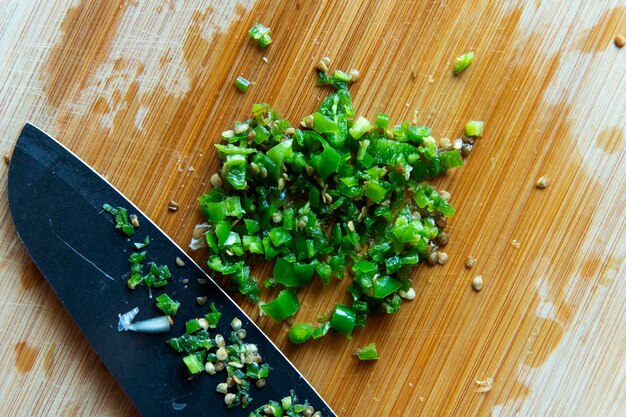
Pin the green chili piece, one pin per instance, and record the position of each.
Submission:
(474, 128)
(260, 33)
(343, 320)
(167, 305)
(301, 332)
(284, 305)
(368, 352)
(242, 84)
(360, 127)
(462, 62)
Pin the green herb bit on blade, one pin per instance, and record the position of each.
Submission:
(241, 360)
(338, 197)
(242, 84)
(462, 62)
(167, 305)
(122, 221)
(288, 406)
(261, 34)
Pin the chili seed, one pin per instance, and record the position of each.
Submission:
(221, 354)
(219, 340)
(216, 181)
(134, 220)
(277, 217)
(469, 262)
(432, 258)
(236, 324)
(308, 411)
(322, 67)
(542, 182)
(260, 383)
(241, 334)
(477, 283)
(180, 262)
(620, 41)
(202, 281)
(241, 127)
(201, 300)
(6, 157)
(222, 388)
(441, 222)
(229, 398)
(209, 368)
(204, 323)
(444, 194)
(442, 258)
(443, 239)
(466, 149)
(408, 294)
(354, 75)
(219, 367)
(172, 206)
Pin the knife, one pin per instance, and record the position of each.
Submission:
(56, 203)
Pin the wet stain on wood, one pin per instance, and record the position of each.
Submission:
(30, 277)
(88, 30)
(611, 140)
(25, 356)
(601, 35)
(49, 359)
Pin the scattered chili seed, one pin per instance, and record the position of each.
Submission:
(180, 262)
(172, 206)
(134, 220)
(201, 301)
(469, 262)
(442, 258)
(542, 182)
(620, 41)
(216, 181)
(477, 283)
(7, 158)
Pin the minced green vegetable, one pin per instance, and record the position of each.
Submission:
(462, 62)
(260, 33)
(474, 128)
(368, 352)
(242, 84)
(167, 305)
(287, 406)
(213, 354)
(338, 197)
(122, 221)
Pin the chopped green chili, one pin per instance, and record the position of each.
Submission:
(167, 305)
(122, 221)
(242, 84)
(343, 320)
(287, 406)
(301, 332)
(368, 352)
(260, 33)
(462, 62)
(320, 199)
(214, 354)
(141, 245)
(284, 305)
(474, 128)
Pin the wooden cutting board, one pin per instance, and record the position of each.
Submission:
(142, 89)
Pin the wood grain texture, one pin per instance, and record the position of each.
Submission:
(141, 90)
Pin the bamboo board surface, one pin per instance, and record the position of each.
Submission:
(142, 89)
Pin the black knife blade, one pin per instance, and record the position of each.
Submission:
(56, 202)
